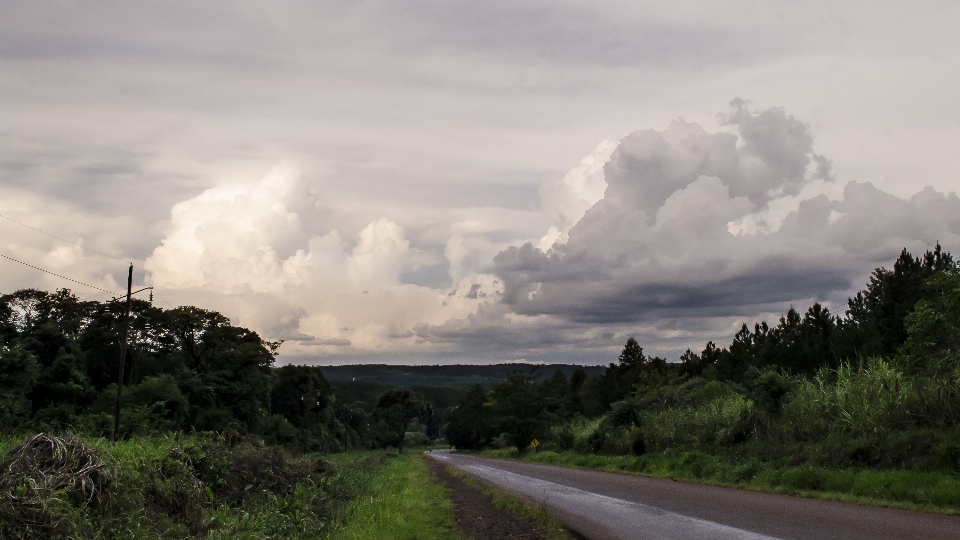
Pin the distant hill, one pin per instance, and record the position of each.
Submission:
(448, 375)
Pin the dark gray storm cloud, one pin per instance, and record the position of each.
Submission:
(699, 228)
(662, 242)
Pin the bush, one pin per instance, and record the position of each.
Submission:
(725, 420)
(167, 487)
(44, 478)
(415, 439)
(868, 399)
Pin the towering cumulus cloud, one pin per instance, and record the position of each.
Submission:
(243, 248)
(255, 251)
(674, 236)
(699, 231)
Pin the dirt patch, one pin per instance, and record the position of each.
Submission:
(476, 516)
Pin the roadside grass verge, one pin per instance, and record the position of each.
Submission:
(402, 503)
(548, 525)
(906, 489)
(195, 486)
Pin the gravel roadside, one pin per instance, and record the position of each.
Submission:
(476, 516)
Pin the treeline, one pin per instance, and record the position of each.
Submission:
(872, 382)
(879, 385)
(187, 370)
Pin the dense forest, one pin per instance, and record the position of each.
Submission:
(876, 386)
(879, 384)
(186, 370)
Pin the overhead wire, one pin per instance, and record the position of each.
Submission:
(63, 240)
(81, 247)
(59, 276)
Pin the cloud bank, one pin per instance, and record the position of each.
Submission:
(250, 250)
(697, 232)
(675, 237)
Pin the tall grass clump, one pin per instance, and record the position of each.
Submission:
(195, 486)
(868, 399)
(46, 478)
(724, 420)
(576, 433)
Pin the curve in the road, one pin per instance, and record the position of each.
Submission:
(604, 506)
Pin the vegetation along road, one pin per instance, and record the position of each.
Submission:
(604, 506)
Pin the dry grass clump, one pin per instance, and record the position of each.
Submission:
(172, 490)
(256, 469)
(196, 486)
(43, 476)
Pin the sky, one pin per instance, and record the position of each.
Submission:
(477, 182)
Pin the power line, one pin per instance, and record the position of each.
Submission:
(59, 276)
(81, 247)
(156, 291)
(63, 240)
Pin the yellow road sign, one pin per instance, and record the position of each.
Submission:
(534, 443)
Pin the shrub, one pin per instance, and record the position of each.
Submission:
(44, 478)
(415, 439)
(724, 420)
(868, 399)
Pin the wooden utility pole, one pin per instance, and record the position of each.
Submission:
(123, 355)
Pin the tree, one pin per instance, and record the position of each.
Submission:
(632, 355)
(468, 423)
(934, 326)
(302, 395)
(874, 324)
(574, 398)
(520, 408)
(618, 379)
(18, 373)
(397, 407)
(225, 371)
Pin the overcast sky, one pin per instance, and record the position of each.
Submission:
(477, 181)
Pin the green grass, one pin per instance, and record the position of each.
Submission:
(403, 503)
(199, 487)
(548, 525)
(191, 487)
(908, 489)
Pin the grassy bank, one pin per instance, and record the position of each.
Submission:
(170, 487)
(909, 489)
(402, 503)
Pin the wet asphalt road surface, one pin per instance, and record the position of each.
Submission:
(603, 506)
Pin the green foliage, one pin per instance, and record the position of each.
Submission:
(934, 326)
(402, 504)
(302, 396)
(43, 479)
(872, 398)
(397, 407)
(912, 489)
(187, 369)
(724, 421)
(632, 355)
(768, 389)
(795, 345)
(875, 323)
(619, 379)
(521, 407)
(467, 424)
(19, 371)
(166, 487)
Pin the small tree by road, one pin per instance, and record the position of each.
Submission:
(397, 407)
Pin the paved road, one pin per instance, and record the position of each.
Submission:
(603, 506)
